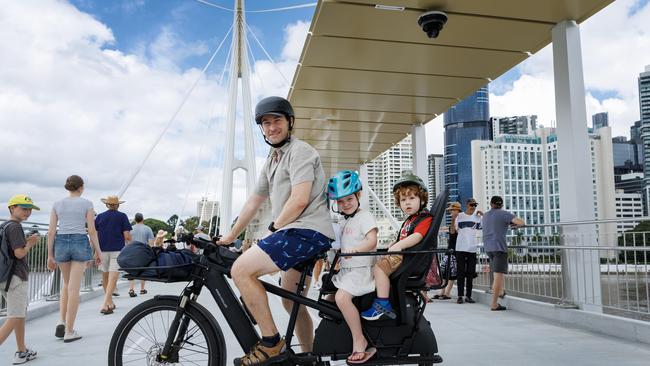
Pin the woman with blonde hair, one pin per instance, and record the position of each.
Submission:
(69, 248)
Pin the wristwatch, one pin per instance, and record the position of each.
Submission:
(271, 227)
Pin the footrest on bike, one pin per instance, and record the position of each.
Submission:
(305, 359)
(404, 360)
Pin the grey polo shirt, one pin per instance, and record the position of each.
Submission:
(298, 163)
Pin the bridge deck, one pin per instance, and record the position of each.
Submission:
(468, 334)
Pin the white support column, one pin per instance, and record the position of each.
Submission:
(365, 198)
(238, 70)
(419, 152)
(249, 160)
(581, 269)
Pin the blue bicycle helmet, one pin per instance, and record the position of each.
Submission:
(344, 183)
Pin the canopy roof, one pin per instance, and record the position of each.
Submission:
(367, 74)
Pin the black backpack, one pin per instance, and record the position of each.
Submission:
(7, 259)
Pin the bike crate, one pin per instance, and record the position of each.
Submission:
(175, 273)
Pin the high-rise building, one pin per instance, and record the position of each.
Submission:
(436, 175)
(644, 109)
(466, 121)
(637, 139)
(599, 120)
(206, 209)
(517, 125)
(523, 169)
(384, 170)
(632, 183)
(628, 205)
(624, 155)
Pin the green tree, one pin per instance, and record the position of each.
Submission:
(156, 225)
(190, 223)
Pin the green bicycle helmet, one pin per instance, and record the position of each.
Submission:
(408, 178)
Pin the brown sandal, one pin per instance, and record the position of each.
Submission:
(261, 355)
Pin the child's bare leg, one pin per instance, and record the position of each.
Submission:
(382, 282)
(351, 315)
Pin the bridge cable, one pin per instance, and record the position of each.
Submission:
(308, 5)
(215, 5)
(267, 54)
(172, 119)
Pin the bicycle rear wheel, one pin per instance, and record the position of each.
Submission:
(140, 337)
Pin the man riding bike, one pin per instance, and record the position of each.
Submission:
(294, 180)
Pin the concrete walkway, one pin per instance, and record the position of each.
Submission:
(468, 334)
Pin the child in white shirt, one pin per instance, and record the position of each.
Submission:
(358, 234)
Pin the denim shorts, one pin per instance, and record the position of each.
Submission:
(72, 247)
(288, 248)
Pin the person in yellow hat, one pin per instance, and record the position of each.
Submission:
(14, 273)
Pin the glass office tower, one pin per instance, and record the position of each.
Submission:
(466, 121)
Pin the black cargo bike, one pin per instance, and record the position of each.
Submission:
(177, 330)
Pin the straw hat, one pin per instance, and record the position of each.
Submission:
(112, 200)
(454, 206)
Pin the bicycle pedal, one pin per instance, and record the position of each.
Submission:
(304, 359)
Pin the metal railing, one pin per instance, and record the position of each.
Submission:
(586, 265)
(45, 285)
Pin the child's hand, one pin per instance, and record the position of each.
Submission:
(349, 251)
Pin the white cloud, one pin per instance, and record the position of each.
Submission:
(615, 49)
(70, 105)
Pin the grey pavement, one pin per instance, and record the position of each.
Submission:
(468, 334)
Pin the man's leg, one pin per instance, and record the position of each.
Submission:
(460, 285)
(19, 332)
(471, 272)
(245, 272)
(304, 324)
(497, 289)
(104, 279)
(112, 283)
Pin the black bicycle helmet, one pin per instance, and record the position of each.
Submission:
(277, 106)
(274, 105)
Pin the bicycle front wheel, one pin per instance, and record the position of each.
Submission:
(140, 337)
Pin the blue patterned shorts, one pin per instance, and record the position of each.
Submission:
(288, 248)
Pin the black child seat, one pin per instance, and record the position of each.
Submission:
(408, 339)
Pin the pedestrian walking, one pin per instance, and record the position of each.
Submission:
(468, 224)
(495, 226)
(69, 247)
(14, 273)
(143, 234)
(114, 231)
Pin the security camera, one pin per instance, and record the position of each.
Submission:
(432, 22)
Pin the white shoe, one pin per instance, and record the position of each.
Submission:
(71, 337)
(22, 357)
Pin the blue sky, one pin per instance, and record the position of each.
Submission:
(92, 83)
(138, 23)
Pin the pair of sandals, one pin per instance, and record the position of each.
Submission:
(441, 297)
(132, 293)
(108, 310)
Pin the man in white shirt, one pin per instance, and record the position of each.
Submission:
(468, 224)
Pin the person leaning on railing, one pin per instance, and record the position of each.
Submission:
(495, 225)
